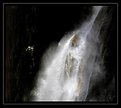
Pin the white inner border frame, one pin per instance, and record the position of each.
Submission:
(57, 102)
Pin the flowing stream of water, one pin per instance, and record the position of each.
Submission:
(66, 70)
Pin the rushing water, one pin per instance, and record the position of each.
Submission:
(66, 69)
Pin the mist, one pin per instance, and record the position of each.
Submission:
(67, 69)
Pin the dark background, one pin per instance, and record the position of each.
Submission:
(40, 25)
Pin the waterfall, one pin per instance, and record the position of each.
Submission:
(67, 68)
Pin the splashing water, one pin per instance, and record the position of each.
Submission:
(65, 74)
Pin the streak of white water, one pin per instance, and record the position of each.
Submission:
(65, 76)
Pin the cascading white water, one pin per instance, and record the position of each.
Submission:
(66, 72)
